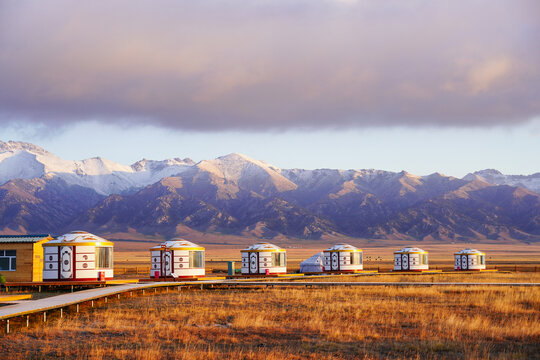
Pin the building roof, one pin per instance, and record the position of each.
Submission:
(30, 238)
(469, 252)
(342, 247)
(177, 244)
(78, 238)
(410, 250)
(264, 246)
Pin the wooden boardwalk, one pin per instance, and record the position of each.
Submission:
(60, 301)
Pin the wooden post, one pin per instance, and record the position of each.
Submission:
(61, 313)
(92, 303)
(44, 316)
(7, 326)
(119, 296)
(105, 299)
(27, 320)
(77, 307)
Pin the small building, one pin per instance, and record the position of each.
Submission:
(263, 258)
(470, 259)
(21, 257)
(78, 256)
(410, 259)
(314, 264)
(177, 258)
(343, 257)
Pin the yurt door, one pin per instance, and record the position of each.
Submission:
(464, 262)
(405, 261)
(335, 261)
(166, 263)
(253, 263)
(66, 262)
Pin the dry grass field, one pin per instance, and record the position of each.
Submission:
(329, 323)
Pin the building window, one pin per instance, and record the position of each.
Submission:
(104, 257)
(356, 258)
(8, 260)
(196, 259)
(278, 259)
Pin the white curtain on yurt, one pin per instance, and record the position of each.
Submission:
(313, 264)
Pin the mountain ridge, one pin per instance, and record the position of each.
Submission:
(234, 194)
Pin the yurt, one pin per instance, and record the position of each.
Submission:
(263, 258)
(343, 257)
(314, 264)
(470, 259)
(78, 256)
(410, 259)
(177, 258)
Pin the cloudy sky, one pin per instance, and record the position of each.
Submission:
(424, 86)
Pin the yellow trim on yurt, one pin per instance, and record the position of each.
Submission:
(67, 243)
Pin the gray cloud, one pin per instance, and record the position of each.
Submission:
(273, 64)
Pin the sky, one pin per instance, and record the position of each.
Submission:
(422, 86)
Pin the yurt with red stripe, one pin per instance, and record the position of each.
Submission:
(411, 258)
(78, 256)
(343, 257)
(263, 259)
(469, 259)
(177, 258)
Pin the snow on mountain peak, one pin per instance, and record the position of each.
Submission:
(14, 146)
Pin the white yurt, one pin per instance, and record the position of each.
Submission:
(410, 259)
(78, 256)
(343, 257)
(177, 258)
(263, 258)
(469, 259)
(314, 264)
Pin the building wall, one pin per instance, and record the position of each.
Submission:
(25, 262)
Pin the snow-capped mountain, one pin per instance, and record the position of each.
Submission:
(531, 182)
(235, 194)
(20, 160)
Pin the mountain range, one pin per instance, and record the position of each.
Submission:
(234, 194)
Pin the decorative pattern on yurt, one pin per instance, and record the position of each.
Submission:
(343, 257)
(410, 258)
(469, 259)
(264, 258)
(177, 258)
(78, 255)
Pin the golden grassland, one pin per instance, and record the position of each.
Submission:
(454, 277)
(313, 323)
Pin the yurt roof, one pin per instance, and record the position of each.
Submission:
(78, 238)
(316, 259)
(411, 250)
(263, 247)
(342, 247)
(469, 252)
(177, 244)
